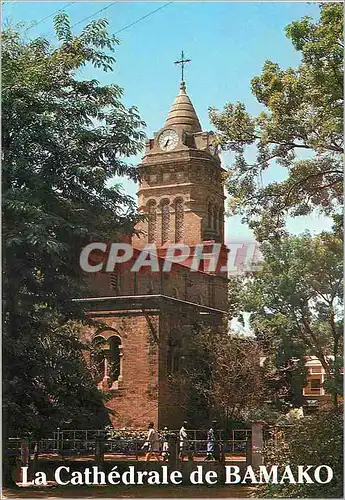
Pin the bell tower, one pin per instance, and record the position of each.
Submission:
(181, 189)
(146, 316)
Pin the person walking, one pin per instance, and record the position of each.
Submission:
(183, 437)
(211, 442)
(152, 443)
(165, 446)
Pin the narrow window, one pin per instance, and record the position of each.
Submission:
(106, 361)
(215, 218)
(165, 221)
(97, 358)
(152, 221)
(150, 289)
(114, 358)
(220, 220)
(115, 281)
(174, 352)
(210, 215)
(179, 220)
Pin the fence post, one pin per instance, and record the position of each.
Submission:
(99, 451)
(58, 439)
(249, 449)
(221, 451)
(173, 454)
(24, 456)
(36, 453)
(136, 451)
(24, 452)
(256, 445)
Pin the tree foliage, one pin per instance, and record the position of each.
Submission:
(284, 370)
(296, 298)
(313, 440)
(46, 382)
(221, 375)
(63, 139)
(300, 128)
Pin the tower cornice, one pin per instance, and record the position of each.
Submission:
(180, 156)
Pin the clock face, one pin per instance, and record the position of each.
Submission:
(168, 140)
(213, 149)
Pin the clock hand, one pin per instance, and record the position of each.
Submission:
(166, 144)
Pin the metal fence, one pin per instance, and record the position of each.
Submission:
(129, 447)
(114, 434)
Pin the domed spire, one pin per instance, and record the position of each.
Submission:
(182, 113)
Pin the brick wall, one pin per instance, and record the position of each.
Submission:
(145, 392)
(135, 402)
(182, 188)
(180, 282)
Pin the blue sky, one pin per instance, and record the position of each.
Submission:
(228, 43)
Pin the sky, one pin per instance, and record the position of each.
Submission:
(228, 43)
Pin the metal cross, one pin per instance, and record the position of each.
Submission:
(183, 61)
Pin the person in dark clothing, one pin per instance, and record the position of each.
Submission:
(165, 446)
(152, 443)
(211, 442)
(183, 438)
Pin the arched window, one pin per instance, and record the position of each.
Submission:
(115, 280)
(220, 220)
(210, 215)
(97, 358)
(165, 221)
(215, 218)
(114, 358)
(150, 289)
(152, 221)
(107, 360)
(174, 352)
(179, 220)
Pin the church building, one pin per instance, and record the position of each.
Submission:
(146, 316)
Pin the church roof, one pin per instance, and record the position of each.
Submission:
(182, 113)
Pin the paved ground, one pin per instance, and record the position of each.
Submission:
(132, 492)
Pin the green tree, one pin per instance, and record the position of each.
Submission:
(295, 300)
(284, 370)
(221, 376)
(313, 440)
(64, 138)
(300, 128)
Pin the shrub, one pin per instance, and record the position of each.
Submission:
(312, 440)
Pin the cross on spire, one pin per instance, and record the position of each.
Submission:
(183, 62)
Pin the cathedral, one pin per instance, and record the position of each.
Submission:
(144, 317)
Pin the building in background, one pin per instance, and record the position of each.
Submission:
(314, 392)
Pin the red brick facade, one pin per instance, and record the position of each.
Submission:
(151, 313)
(149, 327)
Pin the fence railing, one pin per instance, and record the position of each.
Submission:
(131, 448)
(194, 434)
